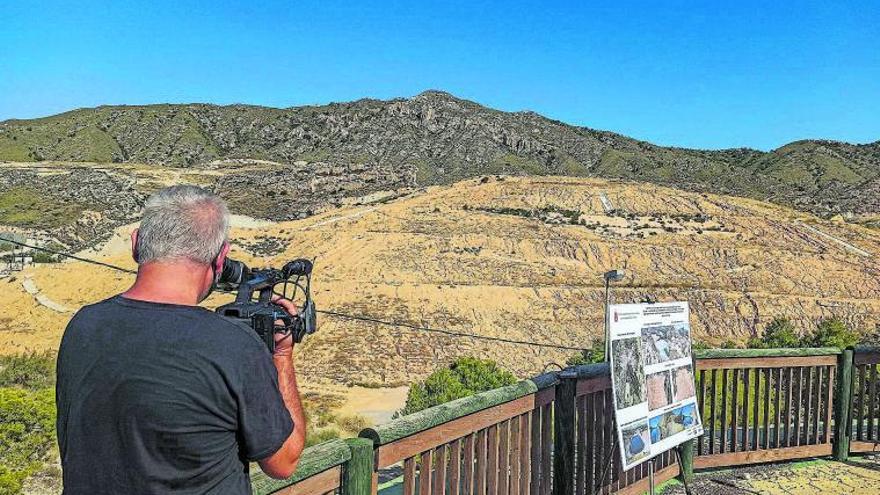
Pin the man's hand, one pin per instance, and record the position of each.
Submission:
(282, 463)
(284, 342)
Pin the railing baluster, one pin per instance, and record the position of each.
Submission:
(525, 448)
(829, 413)
(712, 418)
(817, 390)
(724, 410)
(788, 406)
(734, 413)
(746, 392)
(547, 446)
(455, 468)
(468, 465)
(409, 476)
(861, 373)
(440, 469)
(591, 443)
(778, 415)
(798, 408)
(515, 446)
(756, 425)
(767, 372)
(503, 457)
(425, 473)
(872, 398)
(535, 463)
(481, 465)
(492, 460)
(580, 445)
(701, 401)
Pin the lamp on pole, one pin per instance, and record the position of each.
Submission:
(609, 276)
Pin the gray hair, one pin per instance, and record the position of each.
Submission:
(182, 222)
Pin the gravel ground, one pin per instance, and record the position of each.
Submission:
(858, 476)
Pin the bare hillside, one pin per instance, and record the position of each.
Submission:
(520, 258)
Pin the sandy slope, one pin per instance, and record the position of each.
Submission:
(438, 258)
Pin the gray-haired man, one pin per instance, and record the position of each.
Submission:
(158, 395)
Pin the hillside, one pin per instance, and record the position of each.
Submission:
(520, 258)
(353, 149)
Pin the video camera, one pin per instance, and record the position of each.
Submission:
(253, 300)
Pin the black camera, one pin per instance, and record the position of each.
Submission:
(253, 299)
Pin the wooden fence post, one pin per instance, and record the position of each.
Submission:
(565, 434)
(357, 475)
(842, 421)
(686, 460)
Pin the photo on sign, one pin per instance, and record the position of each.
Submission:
(659, 390)
(672, 422)
(683, 382)
(635, 441)
(666, 343)
(629, 374)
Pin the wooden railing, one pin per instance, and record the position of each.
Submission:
(555, 434)
(865, 413)
(495, 442)
(764, 405)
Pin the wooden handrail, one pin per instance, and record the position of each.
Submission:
(444, 413)
(754, 353)
(315, 460)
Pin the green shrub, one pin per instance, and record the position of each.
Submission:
(464, 377)
(32, 371)
(780, 333)
(595, 354)
(320, 436)
(832, 332)
(27, 434)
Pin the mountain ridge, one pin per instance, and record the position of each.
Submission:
(438, 138)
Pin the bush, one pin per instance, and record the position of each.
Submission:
(780, 333)
(32, 371)
(27, 434)
(321, 436)
(595, 354)
(464, 377)
(27, 417)
(832, 332)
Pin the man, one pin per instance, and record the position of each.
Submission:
(158, 395)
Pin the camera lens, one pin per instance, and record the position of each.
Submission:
(234, 272)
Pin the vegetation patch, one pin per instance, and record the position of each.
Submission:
(464, 377)
(27, 418)
(27, 207)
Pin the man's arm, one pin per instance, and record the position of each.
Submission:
(283, 463)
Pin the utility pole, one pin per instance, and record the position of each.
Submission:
(609, 276)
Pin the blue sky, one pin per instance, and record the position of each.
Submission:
(756, 74)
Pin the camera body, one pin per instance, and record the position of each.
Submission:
(253, 300)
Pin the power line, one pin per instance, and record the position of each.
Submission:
(71, 256)
(338, 314)
(447, 332)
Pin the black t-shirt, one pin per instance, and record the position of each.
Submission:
(161, 398)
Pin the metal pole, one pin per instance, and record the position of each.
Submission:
(607, 320)
(651, 476)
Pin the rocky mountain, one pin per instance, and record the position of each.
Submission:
(352, 149)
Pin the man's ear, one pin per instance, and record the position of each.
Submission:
(218, 263)
(134, 245)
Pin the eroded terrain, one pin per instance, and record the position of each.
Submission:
(520, 258)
